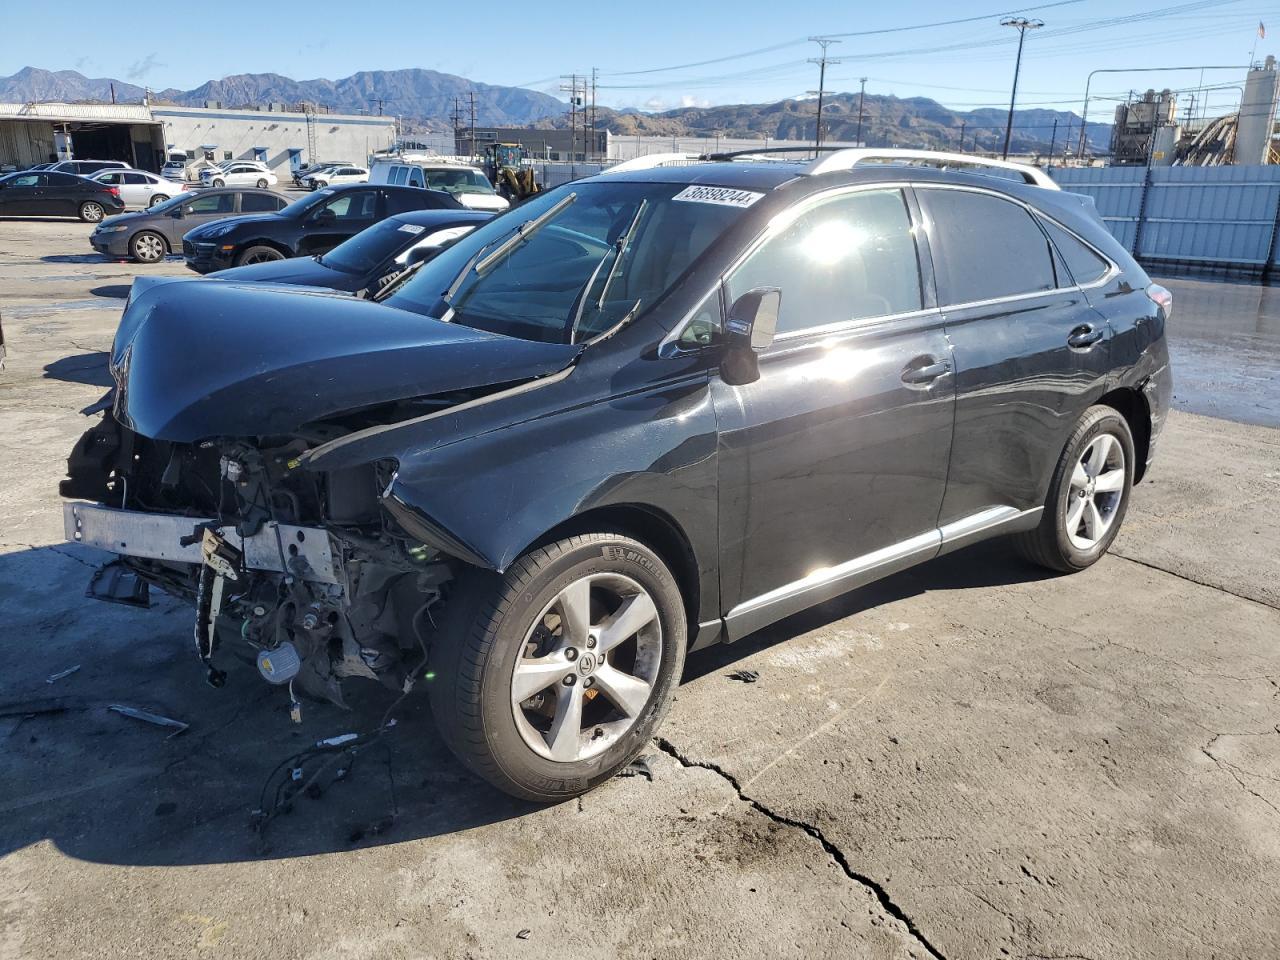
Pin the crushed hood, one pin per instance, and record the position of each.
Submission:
(199, 359)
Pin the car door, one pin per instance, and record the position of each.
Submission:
(62, 193)
(342, 216)
(135, 189)
(833, 464)
(200, 209)
(20, 193)
(1031, 354)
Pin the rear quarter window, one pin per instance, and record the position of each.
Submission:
(1085, 265)
(985, 247)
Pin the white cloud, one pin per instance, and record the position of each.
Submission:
(691, 101)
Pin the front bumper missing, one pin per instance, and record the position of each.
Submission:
(304, 552)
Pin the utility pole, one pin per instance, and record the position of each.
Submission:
(573, 112)
(457, 125)
(862, 96)
(1053, 140)
(1022, 25)
(822, 62)
(379, 101)
(962, 126)
(595, 72)
(473, 123)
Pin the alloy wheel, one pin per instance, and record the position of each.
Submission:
(587, 667)
(92, 212)
(1095, 491)
(149, 248)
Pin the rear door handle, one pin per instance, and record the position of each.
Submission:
(1085, 335)
(926, 374)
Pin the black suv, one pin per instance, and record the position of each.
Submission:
(313, 224)
(639, 414)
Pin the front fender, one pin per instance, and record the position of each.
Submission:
(487, 498)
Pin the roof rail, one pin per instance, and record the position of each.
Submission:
(847, 159)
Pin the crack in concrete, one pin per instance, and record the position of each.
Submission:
(834, 852)
(1236, 773)
(1190, 579)
(55, 548)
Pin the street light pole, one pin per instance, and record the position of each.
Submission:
(822, 62)
(1022, 25)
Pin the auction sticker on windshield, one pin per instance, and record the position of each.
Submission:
(724, 196)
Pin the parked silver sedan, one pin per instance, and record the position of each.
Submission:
(139, 189)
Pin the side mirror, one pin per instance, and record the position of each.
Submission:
(752, 323)
(325, 216)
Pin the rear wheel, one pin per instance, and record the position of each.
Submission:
(259, 254)
(219, 182)
(262, 184)
(554, 676)
(1088, 495)
(148, 247)
(91, 211)
(158, 198)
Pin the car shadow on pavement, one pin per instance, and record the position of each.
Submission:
(87, 368)
(75, 258)
(116, 291)
(108, 788)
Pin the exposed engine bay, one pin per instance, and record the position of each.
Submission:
(304, 567)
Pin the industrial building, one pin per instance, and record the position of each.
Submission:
(145, 134)
(573, 145)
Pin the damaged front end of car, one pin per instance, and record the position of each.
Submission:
(197, 474)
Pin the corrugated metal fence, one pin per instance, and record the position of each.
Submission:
(1222, 217)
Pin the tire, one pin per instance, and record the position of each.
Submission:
(493, 623)
(148, 247)
(157, 198)
(91, 211)
(262, 184)
(258, 254)
(219, 183)
(1088, 495)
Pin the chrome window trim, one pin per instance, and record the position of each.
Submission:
(845, 326)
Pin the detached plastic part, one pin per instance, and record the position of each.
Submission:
(116, 583)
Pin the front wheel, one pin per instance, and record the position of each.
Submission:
(1088, 495)
(219, 183)
(91, 211)
(262, 184)
(553, 677)
(148, 247)
(259, 254)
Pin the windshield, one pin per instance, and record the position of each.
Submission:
(461, 180)
(368, 248)
(172, 203)
(305, 203)
(611, 250)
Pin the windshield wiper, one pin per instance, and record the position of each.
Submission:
(522, 234)
(616, 251)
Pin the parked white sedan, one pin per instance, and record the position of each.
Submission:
(239, 173)
(335, 176)
(139, 189)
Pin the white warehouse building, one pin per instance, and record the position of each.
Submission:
(143, 135)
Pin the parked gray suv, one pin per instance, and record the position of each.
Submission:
(149, 235)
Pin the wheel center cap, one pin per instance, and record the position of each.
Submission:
(586, 663)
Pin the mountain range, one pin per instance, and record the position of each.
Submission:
(427, 100)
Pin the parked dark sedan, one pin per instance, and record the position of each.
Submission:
(148, 235)
(313, 224)
(41, 193)
(640, 414)
(372, 257)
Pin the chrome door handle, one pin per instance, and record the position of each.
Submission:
(926, 374)
(1085, 335)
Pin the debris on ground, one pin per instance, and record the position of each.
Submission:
(524, 934)
(29, 708)
(639, 767)
(745, 676)
(146, 716)
(62, 674)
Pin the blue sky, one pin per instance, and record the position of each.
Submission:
(962, 65)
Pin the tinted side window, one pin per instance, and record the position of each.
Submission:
(218, 203)
(1085, 265)
(258, 203)
(134, 178)
(985, 247)
(848, 258)
(356, 205)
(62, 180)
